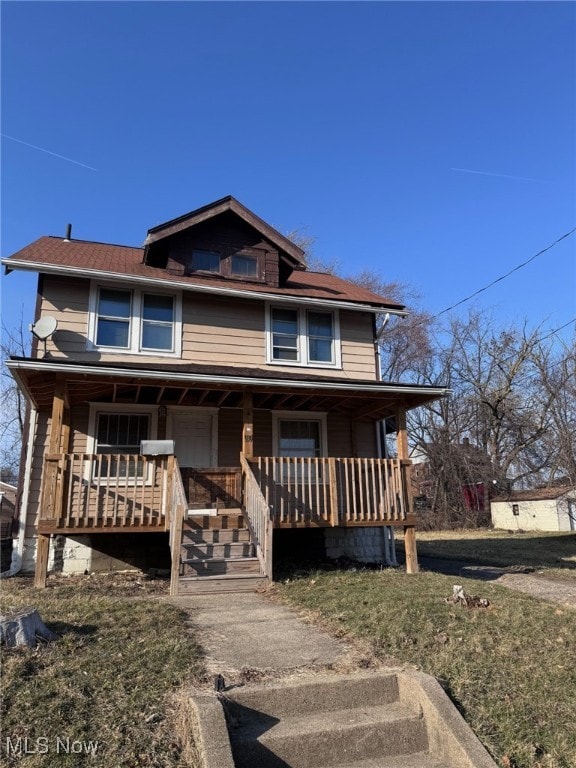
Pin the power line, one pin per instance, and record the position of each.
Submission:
(503, 277)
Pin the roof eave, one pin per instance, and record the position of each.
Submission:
(19, 365)
(31, 266)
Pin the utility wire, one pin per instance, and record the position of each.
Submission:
(499, 279)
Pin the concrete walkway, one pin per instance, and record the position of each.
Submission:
(246, 634)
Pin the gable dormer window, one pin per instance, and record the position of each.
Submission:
(205, 261)
(243, 265)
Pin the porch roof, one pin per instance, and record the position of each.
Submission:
(191, 384)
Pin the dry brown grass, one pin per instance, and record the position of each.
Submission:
(114, 677)
(509, 668)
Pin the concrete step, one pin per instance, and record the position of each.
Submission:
(214, 535)
(207, 550)
(312, 695)
(220, 566)
(417, 760)
(201, 585)
(327, 738)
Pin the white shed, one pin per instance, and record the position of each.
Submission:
(542, 509)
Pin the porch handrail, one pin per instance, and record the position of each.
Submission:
(258, 517)
(178, 504)
(336, 491)
(101, 491)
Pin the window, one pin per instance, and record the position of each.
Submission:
(285, 334)
(303, 337)
(115, 434)
(515, 509)
(114, 311)
(229, 261)
(121, 432)
(205, 261)
(135, 321)
(320, 337)
(243, 266)
(157, 322)
(298, 438)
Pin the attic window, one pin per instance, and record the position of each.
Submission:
(243, 265)
(205, 261)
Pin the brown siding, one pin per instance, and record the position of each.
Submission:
(40, 446)
(229, 437)
(79, 429)
(339, 435)
(365, 439)
(215, 330)
(224, 238)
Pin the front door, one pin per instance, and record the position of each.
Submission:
(194, 433)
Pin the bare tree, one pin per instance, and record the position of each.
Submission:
(14, 343)
(510, 419)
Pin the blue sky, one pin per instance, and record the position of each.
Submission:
(346, 119)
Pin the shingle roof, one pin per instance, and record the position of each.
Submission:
(126, 261)
(536, 494)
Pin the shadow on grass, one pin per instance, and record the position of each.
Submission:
(64, 628)
(513, 551)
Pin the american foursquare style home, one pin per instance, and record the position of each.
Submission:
(204, 402)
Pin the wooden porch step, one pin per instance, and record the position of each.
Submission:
(205, 550)
(199, 585)
(220, 566)
(229, 520)
(214, 535)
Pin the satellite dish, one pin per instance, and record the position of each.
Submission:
(44, 327)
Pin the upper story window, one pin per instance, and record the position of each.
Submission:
(303, 337)
(247, 263)
(205, 261)
(135, 321)
(114, 318)
(243, 265)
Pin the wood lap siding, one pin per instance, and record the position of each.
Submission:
(66, 299)
(40, 446)
(223, 331)
(229, 437)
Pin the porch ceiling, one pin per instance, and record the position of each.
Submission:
(362, 400)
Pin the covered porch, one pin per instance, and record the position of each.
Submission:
(340, 477)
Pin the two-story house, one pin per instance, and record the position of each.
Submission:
(194, 399)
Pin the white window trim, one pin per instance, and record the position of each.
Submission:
(97, 408)
(175, 411)
(135, 321)
(303, 361)
(320, 416)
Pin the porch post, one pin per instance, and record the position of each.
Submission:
(57, 423)
(248, 426)
(59, 435)
(409, 530)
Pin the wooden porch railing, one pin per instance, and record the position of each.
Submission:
(258, 517)
(177, 506)
(335, 491)
(103, 491)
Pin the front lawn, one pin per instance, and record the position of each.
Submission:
(509, 668)
(107, 693)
